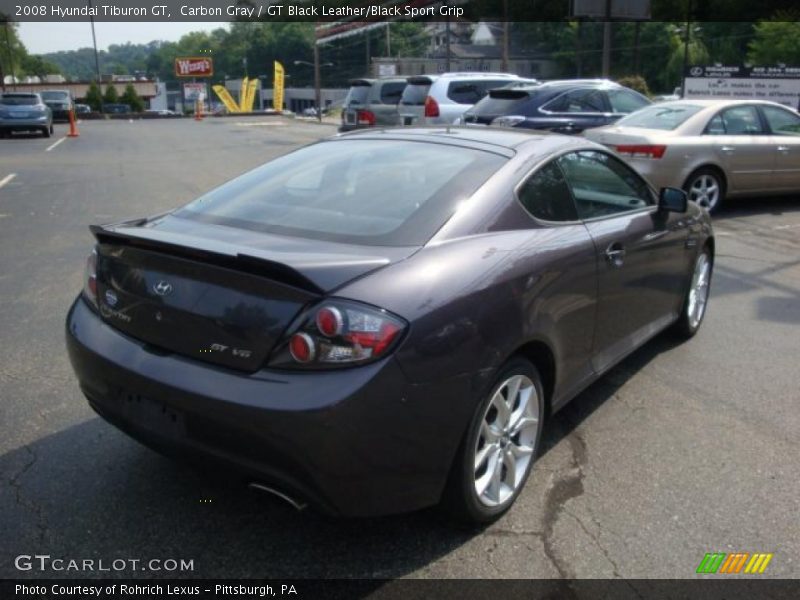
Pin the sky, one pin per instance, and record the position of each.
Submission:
(41, 38)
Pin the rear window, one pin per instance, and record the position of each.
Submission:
(660, 117)
(358, 94)
(502, 102)
(62, 96)
(471, 91)
(373, 192)
(392, 91)
(19, 100)
(414, 94)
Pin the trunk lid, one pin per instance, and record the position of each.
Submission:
(217, 294)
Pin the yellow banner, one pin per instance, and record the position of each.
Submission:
(277, 87)
(252, 86)
(226, 98)
(243, 95)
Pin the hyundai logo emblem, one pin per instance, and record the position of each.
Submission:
(111, 298)
(163, 288)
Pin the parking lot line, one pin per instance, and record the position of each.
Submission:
(7, 179)
(53, 145)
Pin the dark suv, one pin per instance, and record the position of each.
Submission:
(372, 102)
(568, 106)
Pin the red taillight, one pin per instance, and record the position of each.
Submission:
(301, 346)
(339, 333)
(90, 278)
(365, 117)
(431, 107)
(642, 150)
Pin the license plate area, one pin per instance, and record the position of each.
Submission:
(153, 415)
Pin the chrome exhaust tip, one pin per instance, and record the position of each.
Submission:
(296, 504)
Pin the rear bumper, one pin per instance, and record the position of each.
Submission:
(355, 442)
(23, 124)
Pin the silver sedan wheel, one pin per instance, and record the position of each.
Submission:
(698, 292)
(705, 190)
(506, 440)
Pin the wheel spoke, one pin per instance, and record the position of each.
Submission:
(510, 462)
(523, 424)
(483, 454)
(503, 412)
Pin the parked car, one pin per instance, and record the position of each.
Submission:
(432, 100)
(381, 321)
(116, 109)
(24, 111)
(372, 103)
(60, 103)
(713, 149)
(161, 112)
(82, 109)
(568, 106)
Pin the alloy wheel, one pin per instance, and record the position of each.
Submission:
(698, 292)
(506, 440)
(705, 191)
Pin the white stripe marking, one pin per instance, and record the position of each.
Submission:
(51, 146)
(7, 179)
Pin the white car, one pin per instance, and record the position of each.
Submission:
(442, 99)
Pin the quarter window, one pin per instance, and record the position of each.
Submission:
(624, 102)
(603, 185)
(578, 101)
(546, 195)
(782, 122)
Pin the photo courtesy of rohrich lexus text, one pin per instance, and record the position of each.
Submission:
(399, 299)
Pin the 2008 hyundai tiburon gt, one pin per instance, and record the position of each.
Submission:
(382, 321)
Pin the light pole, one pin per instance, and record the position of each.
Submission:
(94, 44)
(317, 85)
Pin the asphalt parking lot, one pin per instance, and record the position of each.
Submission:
(680, 450)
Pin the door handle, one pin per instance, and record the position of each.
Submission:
(615, 254)
(727, 149)
(783, 148)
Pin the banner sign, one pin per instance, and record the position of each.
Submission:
(779, 84)
(193, 91)
(277, 87)
(226, 98)
(194, 66)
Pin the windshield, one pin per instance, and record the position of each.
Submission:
(502, 102)
(15, 100)
(60, 96)
(660, 116)
(373, 192)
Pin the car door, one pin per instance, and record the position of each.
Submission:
(784, 125)
(642, 254)
(575, 110)
(744, 148)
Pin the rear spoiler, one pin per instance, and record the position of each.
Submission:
(419, 80)
(508, 94)
(235, 261)
(360, 83)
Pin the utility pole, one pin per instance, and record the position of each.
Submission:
(10, 59)
(317, 83)
(366, 33)
(388, 39)
(687, 33)
(94, 44)
(447, 42)
(505, 36)
(607, 41)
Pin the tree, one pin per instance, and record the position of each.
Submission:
(776, 42)
(36, 65)
(132, 99)
(94, 97)
(111, 96)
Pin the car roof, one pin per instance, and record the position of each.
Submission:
(499, 139)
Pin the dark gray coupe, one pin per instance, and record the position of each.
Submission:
(384, 320)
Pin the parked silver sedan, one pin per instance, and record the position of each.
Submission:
(713, 149)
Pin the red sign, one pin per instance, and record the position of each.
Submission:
(194, 66)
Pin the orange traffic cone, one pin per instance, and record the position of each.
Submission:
(73, 126)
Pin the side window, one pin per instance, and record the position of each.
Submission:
(578, 101)
(741, 120)
(603, 185)
(782, 122)
(715, 126)
(546, 195)
(624, 102)
(391, 92)
(464, 92)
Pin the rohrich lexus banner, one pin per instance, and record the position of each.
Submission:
(779, 84)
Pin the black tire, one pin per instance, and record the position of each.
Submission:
(46, 131)
(688, 324)
(694, 184)
(52, 129)
(461, 500)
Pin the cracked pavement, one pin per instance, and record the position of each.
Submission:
(678, 451)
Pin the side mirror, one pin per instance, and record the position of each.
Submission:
(672, 200)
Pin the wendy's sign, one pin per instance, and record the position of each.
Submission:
(194, 66)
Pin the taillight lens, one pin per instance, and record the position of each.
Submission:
(431, 107)
(338, 333)
(642, 150)
(365, 117)
(90, 278)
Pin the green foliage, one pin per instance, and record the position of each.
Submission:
(111, 96)
(132, 99)
(36, 65)
(635, 82)
(94, 97)
(776, 42)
